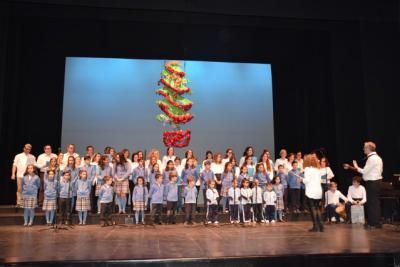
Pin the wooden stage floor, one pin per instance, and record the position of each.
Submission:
(177, 242)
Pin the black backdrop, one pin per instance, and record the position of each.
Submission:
(335, 66)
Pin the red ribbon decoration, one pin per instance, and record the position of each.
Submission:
(176, 90)
(178, 119)
(176, 138)
(184, 107)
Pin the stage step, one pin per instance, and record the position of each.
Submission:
(9, 215)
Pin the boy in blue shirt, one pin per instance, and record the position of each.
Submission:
(156, 196)
(105, 198)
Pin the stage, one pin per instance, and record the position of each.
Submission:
(282, 244)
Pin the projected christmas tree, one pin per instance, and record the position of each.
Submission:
(174, 105)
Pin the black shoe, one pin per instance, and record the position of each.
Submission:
(314, 229)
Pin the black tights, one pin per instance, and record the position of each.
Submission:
(315, 214)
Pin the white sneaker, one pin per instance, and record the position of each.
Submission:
(341, 219)
(267, 222)
(263, 221)
(273, 221)
(333, 219)
(216, 222)
(209, 222)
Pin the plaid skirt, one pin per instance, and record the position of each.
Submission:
(139, 205)
(121, 187)
(30, 202)
(280, 205)
(49, 204)
(82, 203)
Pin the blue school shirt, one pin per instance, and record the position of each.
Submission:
(102, 173)
(106, 194)
(90, 170)
(83, 187)
(50, 188)
(189, 172)
(206, 176)
(227, 179)
(140, 193)
(30, 185)
(153, 177)
(283, 177)
(171, 192)
(121, 172)
(262, 178)
(166, 176)
(190, 194)
(139, 171)
(156, 193)
(74, 177)
(65, 188)
(293, 180)
(251, 171)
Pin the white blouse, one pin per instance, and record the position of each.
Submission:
(312, 182)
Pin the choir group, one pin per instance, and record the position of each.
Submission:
(251, 190)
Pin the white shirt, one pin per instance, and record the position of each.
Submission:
(333, 197)
(234, 194)
(217, 168)
(269, 198)
(257, 195)
(373, 168)
(166, 158)
(43, 160)
(357, 192)
(212, 195)
(312, 182)
(247, 193)
(65, 159)
(21, 161)
(285, 163)
(179, 170)
(300, 164)
(327, 171)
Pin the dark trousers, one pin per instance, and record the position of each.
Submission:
(93, 199)
(41, 189)
(246, 212)
(257, 208)
(156, 210)
(285, 197)
(171, 211)
(315, 213)
(234, 212)
(131, 187)
(189, 210)
(270, 212)
(294, 198)
(205, 199)
(373, 206)
(331, 212)
(65, 209)
(105, 212)
(212, 213)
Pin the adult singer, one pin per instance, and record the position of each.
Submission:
(372, 175)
